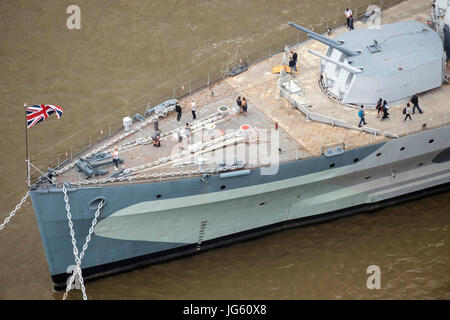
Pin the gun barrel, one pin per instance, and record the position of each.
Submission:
(329, 42)
(345, 66)
(313, 34)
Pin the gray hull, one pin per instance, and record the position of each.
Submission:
(149, 222)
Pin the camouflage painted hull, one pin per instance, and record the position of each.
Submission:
(144, 223)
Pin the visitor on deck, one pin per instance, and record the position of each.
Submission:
(193, 109)
(178, 110)
(407, 112)
(350, 26)
(156, 137)
(291, 65)
(244, 106)
(239, 104)
(415, 102)
(348, 14)
(187, 132)
(155, 124)
(115, 155)
(294, 57)
(379, 107)
(50, 174)
(385, 110)
(361, 114)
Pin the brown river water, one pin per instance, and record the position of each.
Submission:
(129, 53)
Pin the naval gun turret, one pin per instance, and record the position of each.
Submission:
(439, 20)
(391, 62)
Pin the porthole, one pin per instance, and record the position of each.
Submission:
(431, 141)
(222, 187)
(402, 148)
(378, 154)
(332, 165)
(158, 196)
(355, 160)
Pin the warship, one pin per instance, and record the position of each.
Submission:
(295, 157)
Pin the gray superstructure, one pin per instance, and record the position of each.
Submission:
(393, 61)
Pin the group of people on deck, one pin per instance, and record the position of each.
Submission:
(242, 104)
(383, 110)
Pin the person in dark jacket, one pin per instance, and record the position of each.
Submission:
(415, 102)
(292, 65)
(178, 110)
(239, 104)
(379, 107)
(385, 110)
(350, 23)
(294, 57)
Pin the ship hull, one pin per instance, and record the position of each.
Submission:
(145, 223)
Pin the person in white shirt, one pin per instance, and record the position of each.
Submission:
(407, 112)
(193, 109)
(348, 15)
(187, 133)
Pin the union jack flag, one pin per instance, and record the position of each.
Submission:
(39, 113)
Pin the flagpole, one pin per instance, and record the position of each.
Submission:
(26, 142)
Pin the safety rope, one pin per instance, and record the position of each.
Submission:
(77, 271)
(128, 174)
(18, 206)
(133, 143)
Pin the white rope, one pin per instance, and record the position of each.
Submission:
(141, 140)
(164, 160)
(18, 206)
(77, 271)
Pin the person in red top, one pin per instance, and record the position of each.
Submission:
(115, 155)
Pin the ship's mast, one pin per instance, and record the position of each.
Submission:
(27, 161)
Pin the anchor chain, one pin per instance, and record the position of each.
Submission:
(18, 206)
(77, 270)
